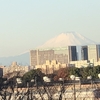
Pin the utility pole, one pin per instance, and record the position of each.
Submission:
(74, 90)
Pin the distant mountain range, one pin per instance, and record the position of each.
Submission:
(23, 59)
(62, 40)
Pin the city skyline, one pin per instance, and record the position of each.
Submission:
(61, 41)
(24, 25)
(66, 48)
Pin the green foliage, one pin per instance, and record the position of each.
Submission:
(27, 77)
(84, 72)
(78, 72)
(74, 71)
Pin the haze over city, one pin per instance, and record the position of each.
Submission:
(24, 24)
(49, 49)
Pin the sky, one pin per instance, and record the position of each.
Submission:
(26, 24)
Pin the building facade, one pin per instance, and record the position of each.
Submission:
(50, 67)
(68, 55)
(62, 55)
(84, 53)
(15, 68)
(1, 70)
(92, 52)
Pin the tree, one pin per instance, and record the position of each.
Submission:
(62, 73)
(74, 71)
(27, 77)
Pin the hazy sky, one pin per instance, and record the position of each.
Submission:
(26, 24)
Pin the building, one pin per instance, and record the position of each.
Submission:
(1, 71)
(50, 67)
(64, 49)
(73, 53)
(15, 68)
(67, 55)
(62, 55)
(92, 52)
(84, 53)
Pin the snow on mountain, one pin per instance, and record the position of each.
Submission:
(62, 40)
(67, 39)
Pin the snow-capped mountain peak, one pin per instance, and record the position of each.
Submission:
(67, 39)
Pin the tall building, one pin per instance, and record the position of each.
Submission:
(1, 71)
(93, 53)
(62, 55)
(84, 52)
(63, 49)
(73, 53)
(98, 52)
(39, 57)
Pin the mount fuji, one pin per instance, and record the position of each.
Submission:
(67, 39)
(62, 40)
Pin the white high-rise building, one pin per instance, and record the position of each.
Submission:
(93, 53)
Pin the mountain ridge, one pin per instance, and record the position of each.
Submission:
(22, 59)
(67, 39)
(62, 40)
